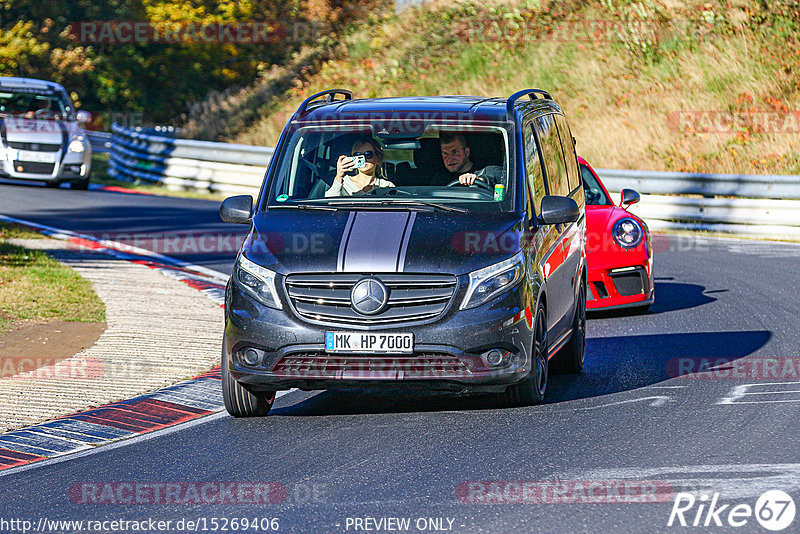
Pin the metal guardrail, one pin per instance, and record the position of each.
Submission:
(682, 183)
(765, 206)
(187, 164)
(752, 205)
(100, 141)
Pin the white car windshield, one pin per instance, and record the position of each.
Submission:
(34, 104)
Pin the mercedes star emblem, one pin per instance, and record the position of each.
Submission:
(369, 296)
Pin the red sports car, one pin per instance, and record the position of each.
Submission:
(619, 250)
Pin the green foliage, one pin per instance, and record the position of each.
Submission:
(160, 80)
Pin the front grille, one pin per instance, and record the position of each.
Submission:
(412, 297)
(35, 147)
(420, 366)
(628, 284)
(33, 167)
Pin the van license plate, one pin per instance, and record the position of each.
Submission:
(364, 342)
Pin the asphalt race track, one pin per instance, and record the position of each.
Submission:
(339, 457)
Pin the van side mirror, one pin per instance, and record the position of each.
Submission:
(83, 117)
(559, 210)
(629, 196)
(237, 210)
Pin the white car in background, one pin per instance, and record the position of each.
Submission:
(41, 137)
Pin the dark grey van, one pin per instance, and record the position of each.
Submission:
(433, 242)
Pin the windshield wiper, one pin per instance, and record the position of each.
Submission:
(397, 202)
(303, 207)
(435, 205)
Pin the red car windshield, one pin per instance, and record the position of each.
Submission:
(595, 196)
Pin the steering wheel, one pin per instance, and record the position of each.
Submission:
(42, 113)
(480, 183)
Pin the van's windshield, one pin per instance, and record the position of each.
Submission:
(345, 164)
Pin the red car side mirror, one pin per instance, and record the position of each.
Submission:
(629, 196)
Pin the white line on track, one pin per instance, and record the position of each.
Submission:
(655, 400)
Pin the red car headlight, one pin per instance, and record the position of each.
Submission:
(627, 233)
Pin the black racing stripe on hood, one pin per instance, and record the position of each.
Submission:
(375, 242)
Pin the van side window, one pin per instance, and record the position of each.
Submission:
(533, 168)
(553, 156)
(573, 175)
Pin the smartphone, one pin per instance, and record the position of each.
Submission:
(359, 161)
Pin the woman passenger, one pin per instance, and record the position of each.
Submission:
(369, 177)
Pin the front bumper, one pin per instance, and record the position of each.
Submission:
(449, 352)
(69, 167)
(620, 286)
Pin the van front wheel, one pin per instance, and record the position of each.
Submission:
(239, 401)
(532, 389)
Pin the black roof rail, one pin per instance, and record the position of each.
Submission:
(330, 96)
(519, 94)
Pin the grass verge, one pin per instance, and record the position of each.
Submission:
(35, 287)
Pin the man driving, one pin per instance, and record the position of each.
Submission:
(455, 155)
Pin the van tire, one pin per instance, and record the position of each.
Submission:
(532, 389)
(239, 401)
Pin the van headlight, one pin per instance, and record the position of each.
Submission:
(257, 281)
(491, 281)
(627, 232)
(76, 145)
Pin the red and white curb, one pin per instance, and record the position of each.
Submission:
(151, 412)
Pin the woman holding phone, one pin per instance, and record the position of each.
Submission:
(366, 158)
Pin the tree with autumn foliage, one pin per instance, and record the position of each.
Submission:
(158, 80)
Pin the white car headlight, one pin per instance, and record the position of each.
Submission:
(627, 233)
(257, 281)
(76, 145)
(491, 281)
